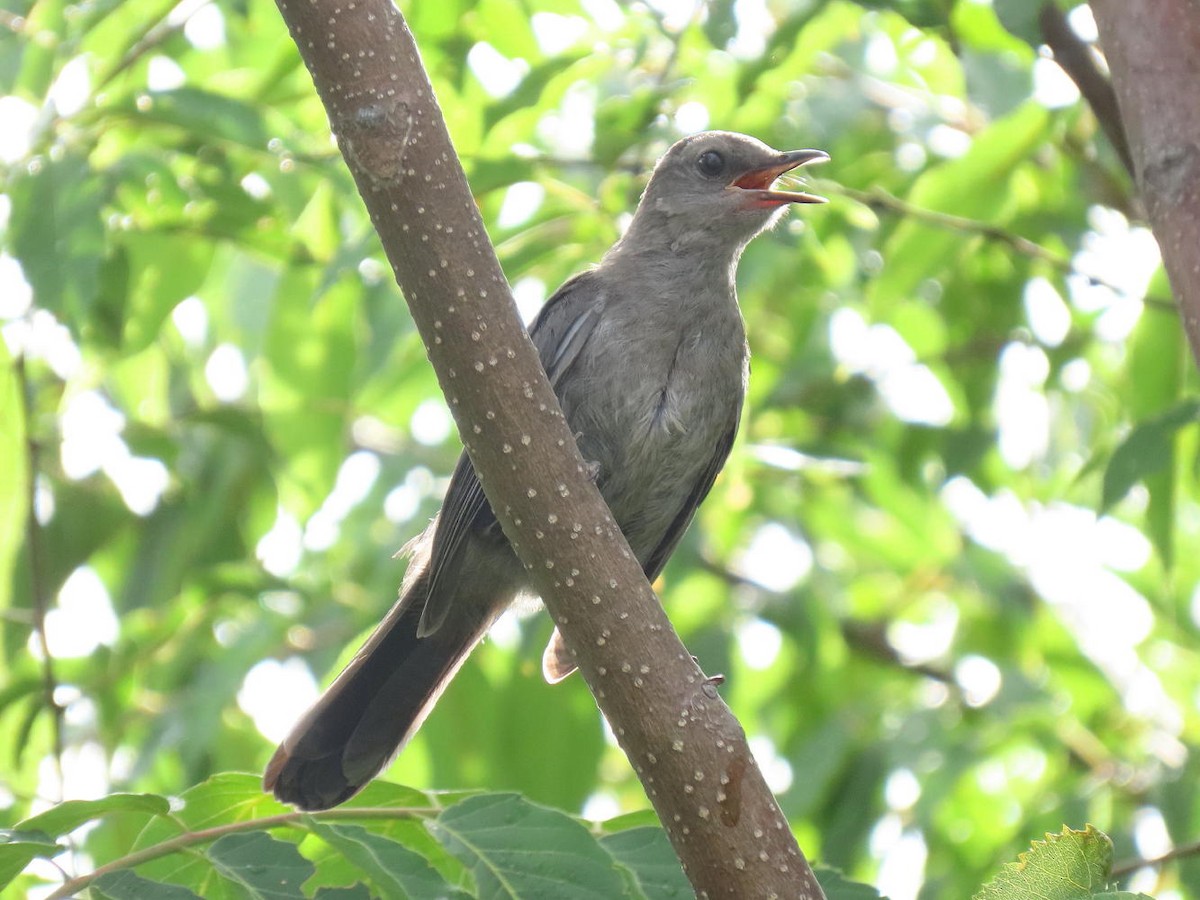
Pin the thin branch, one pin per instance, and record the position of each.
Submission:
(870, 639)
(1128, 867)
(155, 31)
(866, 637)
(36, 560)
(663, 75)
(879, 199)
(208, 835)
(1078, 60)
(676, 39)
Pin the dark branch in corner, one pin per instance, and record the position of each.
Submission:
(1077, 59)
(1183, 851)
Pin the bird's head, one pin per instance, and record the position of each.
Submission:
(718, 186)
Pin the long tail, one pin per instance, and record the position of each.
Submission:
(374, 706)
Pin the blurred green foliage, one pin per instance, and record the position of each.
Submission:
(946, 571)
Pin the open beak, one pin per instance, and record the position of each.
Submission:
(758, 181)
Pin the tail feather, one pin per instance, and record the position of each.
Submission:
(373, 707)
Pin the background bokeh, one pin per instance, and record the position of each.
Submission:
(947, 572)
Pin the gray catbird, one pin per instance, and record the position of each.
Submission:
(647, 354)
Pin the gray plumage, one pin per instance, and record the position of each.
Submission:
(647, 355)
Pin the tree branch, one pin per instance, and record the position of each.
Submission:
(74, 886)
(879, 199)
(1151, 51)
(1076, 58)
(1183, 851)
(685, 745)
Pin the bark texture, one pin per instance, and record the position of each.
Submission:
(1153, 51)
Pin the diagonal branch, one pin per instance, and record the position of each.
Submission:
(879, 199)
(1077, 59)
(690, 753)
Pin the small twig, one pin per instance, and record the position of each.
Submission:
(1075, 57)
(664, 73)
(1130, 866)
(879, 199)
(155, 31)
(37, 579)
(208, 835)
(870, 639)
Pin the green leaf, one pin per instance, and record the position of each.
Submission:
(507, 27)
(1158, 366)
(398, 796)
(648, 854)
(265, 867)
(393, 869)
(620, 119)
(37, 58)
(164, 269)
(19, 848)
(492, 174)
(836, 887)
(1073, 865)
(14, 490)
(226, 797)
(209, 116)
(918, 12)
(1020, 17)
(311, 356)
(221, 800)
(516, 849)
(69, 815)
(58, 235)
(529, 92)
(1145, 451)
(975, 186)
(355, 892)
(128, 885)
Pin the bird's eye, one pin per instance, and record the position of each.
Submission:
(710, 162)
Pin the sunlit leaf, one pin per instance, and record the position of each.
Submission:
(1066, 866)
(69, 815)
(14, 478)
